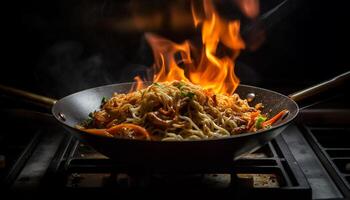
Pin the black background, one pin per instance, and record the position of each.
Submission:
(52, 48)
(58, 47)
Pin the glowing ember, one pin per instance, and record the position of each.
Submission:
(249, 8)
(212, 71)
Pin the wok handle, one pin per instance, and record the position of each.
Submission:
(321, 87)
(33, 98)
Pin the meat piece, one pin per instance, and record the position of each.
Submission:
(239, 121)
(154, 119)
(169, 112)
(214, 100)
(101, 118)
(239, 130)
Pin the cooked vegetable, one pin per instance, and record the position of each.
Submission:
(259, 122)
(128, 130)
(275, 118)
(177, 110)
(104, 100)
(188, 94)
(95, 131)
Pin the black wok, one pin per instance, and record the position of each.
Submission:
(73, 109)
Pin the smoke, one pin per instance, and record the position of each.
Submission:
(66, 67)
(70, 66)
(142, 63)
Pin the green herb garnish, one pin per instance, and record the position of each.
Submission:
(180, 85)
(87, 122)
(91, 114)
(259, 121)
(188, 94)
(104, 100)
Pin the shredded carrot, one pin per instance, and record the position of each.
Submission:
(274, 119)
(251, 122)
(254, 115)
(96, 131)
(139, 131)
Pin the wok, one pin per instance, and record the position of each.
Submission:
(73, 109)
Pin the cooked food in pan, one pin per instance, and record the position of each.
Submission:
(176, 110)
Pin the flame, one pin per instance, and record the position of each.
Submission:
(164, 52)
(139, 84)
(212, 71)
(195, 15)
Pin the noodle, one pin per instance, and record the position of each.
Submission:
(178, 110)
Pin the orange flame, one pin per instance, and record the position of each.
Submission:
(139, 84)
(164, 51)
(212, 72)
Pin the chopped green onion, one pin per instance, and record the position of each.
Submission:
(258, 123)
(87, 122)
(91, 114)
(104, 100)
(188, 94)
(180, 85)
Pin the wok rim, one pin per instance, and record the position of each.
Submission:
(179, 141)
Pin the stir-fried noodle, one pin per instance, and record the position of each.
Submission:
(175, 111)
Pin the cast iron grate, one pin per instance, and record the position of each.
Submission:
(333, 148)
(270, 171)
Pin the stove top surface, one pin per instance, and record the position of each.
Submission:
(309, 160)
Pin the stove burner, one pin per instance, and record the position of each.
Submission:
(268, 171)
(332, 145)
(287, 167)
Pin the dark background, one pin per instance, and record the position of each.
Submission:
(58, 47)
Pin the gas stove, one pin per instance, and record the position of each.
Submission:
(269, 170)
(66, 47)
(309, 160)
